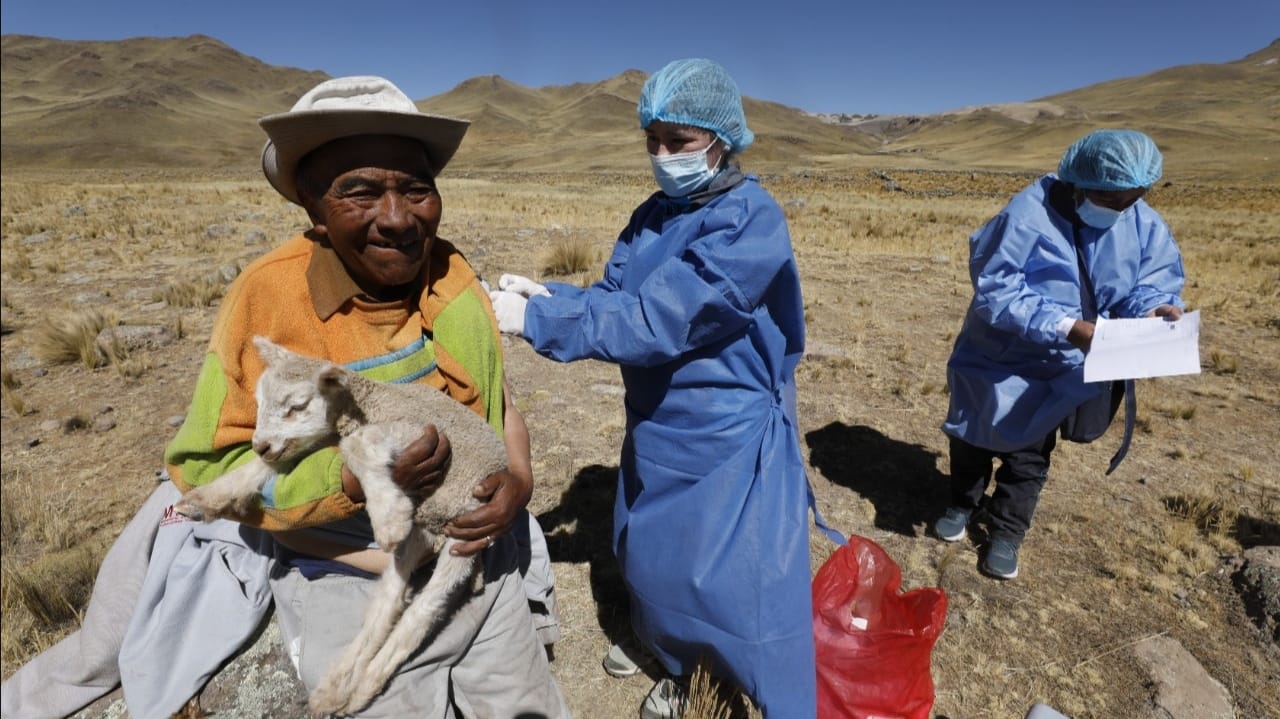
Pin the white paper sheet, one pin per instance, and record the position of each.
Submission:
(1148, 347)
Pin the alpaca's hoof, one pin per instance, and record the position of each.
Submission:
(189, 509)
(324, 703)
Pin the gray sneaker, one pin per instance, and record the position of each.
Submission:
(951, 526)
(621, 662)
(665, 701)
(1001, 560)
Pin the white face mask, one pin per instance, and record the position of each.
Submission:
(683, 173)
(1100, 217)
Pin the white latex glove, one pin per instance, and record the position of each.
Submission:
(508, 307)
(522, 286)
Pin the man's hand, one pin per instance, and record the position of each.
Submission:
(418, 470)
(1169, 312)
(1081, 335)
(507, 493)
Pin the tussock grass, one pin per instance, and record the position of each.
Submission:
(124, 363)
(55, 588)
(9, 385)
(48, 568)
(16, 265)
(569, 257)
(8, 380)
(72, 337)
(132, 367)
(1207, 513)
(1175, 410)
(1222, 363)
(30, 517)
(190, 293)
(709, 699)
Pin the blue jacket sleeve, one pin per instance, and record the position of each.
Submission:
(692, 299)
(1000, 255)
(1160, 274)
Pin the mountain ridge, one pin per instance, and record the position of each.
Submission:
(193, 101)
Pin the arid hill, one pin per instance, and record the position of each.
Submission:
(192, 102)
(143, 102)
(1213, 121)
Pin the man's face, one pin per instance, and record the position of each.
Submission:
(373, 197)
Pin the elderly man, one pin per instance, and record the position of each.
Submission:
(371, 286)
(1063, 251)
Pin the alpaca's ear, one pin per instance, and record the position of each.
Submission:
(270, 352)
(331, 378)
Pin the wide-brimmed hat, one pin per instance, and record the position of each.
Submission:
(345, 107)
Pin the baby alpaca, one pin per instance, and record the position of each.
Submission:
(306, 403)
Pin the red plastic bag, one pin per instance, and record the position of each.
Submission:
(873, 642)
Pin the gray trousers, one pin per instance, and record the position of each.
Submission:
(488, 660)
(318, 618)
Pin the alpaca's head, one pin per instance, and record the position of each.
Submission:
(295, 403)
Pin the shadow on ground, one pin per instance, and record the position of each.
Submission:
(900, 479)
(1257, 532)
(580, 529)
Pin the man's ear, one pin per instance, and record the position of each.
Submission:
(310, 204)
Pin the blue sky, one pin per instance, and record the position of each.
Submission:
(881, 56)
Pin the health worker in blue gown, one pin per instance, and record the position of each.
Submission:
(700, 307)
(1069, 248)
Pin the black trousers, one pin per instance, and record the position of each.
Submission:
(1019, 479)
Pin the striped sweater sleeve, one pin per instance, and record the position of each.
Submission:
(270, 298)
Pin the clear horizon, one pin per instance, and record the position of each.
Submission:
(884, 58)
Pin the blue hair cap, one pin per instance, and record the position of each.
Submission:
(1110, 160)
(700, 93)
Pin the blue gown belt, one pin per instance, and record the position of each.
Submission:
(1130, 417)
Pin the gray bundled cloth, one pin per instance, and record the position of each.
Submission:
(167, 585)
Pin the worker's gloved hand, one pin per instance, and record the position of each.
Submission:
(509, 309)
(522, 286)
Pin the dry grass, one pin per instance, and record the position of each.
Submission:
(569, 257)
(54, 589)
(191, 293)
(48, 567)
(1110, 560)
(707, 698)
(72, 337)
(9, 385)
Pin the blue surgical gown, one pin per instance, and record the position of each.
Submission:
(1012, 378)
(701, 308)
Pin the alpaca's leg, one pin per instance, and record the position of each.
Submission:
(368, 452)
(386, 604)
(426, 613)
(231, 495)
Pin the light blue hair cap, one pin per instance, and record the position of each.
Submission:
(1110, 160)
(700, 93)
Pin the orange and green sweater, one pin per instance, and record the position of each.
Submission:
(300, 296)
